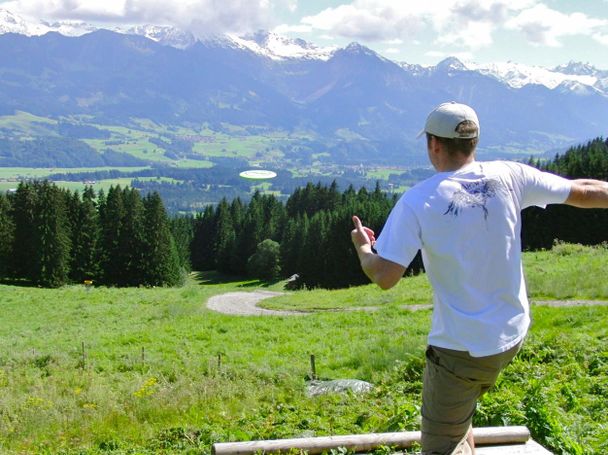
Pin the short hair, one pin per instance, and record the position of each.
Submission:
(458, 145)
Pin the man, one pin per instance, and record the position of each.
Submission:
(466, 220)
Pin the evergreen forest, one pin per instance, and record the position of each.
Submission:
(51, 236)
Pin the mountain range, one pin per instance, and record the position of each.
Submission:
(355, 102)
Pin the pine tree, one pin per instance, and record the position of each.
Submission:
(7, 232)
(85, 229)
(25, 245)
(52, 261)
(160, 258)
(294, 235)
(225, 241)
(112, 214)
(202, 247)
(313, 264)
(275, 217)
(182, 229)
(249, 235)
(131, 240)
(342, 263)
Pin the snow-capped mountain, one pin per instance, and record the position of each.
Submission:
(451, 65)
(163, 34)
(167, 35)
(518, 75)
(578, 68)
(13, 23)
(271, 81)
(69, 28)
(278, 47)
(573, 76)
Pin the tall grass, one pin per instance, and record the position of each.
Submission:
(568, 271)
(160, 373)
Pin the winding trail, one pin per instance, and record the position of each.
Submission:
(246, 304)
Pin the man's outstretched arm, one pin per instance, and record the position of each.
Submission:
(381, 271)
(588, 194)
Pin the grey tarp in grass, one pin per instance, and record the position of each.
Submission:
(338, 386)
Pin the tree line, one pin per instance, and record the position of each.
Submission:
(63, 152)
(51, 236)
(307, 236)
(560, 222)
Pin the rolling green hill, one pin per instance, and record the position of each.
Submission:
(148, 371)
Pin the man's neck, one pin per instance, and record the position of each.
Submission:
(450, 165)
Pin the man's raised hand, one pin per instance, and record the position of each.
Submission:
(362, 235)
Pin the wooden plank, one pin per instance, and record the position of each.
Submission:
(529, 448)
(364, 442)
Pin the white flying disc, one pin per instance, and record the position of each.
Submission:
(257, 174)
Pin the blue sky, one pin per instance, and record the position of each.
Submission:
(546, 33)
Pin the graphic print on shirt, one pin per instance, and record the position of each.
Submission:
(475, 194)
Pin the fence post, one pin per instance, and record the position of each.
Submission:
(313, 367)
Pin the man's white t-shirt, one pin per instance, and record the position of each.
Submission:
(467, 224)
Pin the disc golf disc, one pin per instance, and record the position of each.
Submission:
(258, 174)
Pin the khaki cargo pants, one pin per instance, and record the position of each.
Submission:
(453, 381)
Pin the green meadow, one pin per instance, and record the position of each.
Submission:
(134, 139)
(152, 370)
(11, 176)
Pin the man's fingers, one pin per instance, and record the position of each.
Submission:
(362, 232)
(370, 235)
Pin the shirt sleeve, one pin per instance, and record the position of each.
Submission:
(542, 188)
(399, 240)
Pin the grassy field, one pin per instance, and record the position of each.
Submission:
(146, 371)
(37, 173)
(135, 138)
(10, 177)
(26, 125)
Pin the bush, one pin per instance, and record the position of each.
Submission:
(265, 262)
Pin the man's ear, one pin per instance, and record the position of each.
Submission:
(434, 145)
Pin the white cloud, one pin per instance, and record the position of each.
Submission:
(450, 25)
(474, 36)
(391, 50)
(601, 38)
(285, 29)
(198, 16)
(468, 23)
(373, 20)
(438, 54)
(545, 26)
(292, 5)
(462, 24)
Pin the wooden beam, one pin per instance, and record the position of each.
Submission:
(363, 442)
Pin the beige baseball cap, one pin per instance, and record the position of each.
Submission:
(446, 117)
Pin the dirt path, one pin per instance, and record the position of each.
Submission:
(558, 303)
(553, 303)
(246, 304)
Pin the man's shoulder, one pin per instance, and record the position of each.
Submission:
(515, 165)
(506, 167)
(422, 187)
